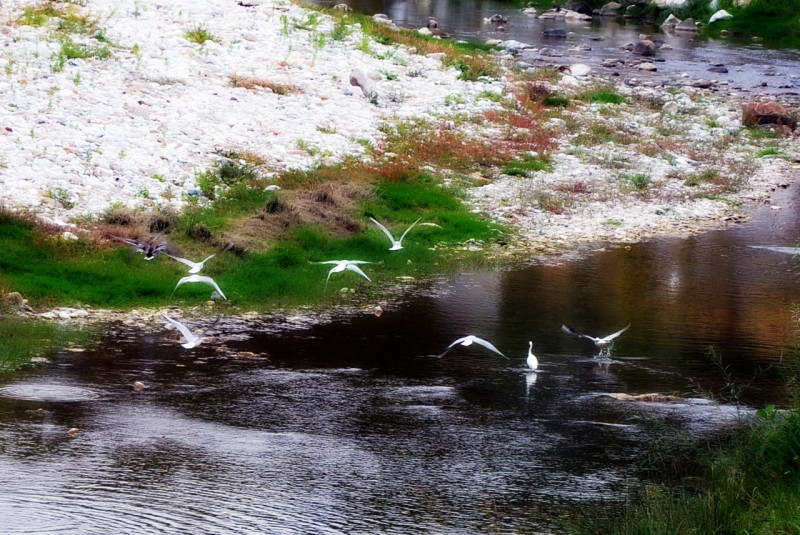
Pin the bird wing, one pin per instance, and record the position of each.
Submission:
(569, 330)
(448, 348)
(212, 283)
(206, 259)
(612, 336)
(183, 260)
(409, 228)
(184, 330)
(355, 268)
(127, 240)
(487, 345)
(384, 229)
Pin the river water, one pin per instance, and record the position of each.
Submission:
(354, 425)
(752, 68)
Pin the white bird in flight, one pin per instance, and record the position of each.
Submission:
(396, 244)
(194, 267)
(468, 341)
(341, 265)
(532, 361)
(192, 340)
(599, 342)
(201, 278)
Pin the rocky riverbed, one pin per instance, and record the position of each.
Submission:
(146, 108)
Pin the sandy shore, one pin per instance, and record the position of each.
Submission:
(133, 129)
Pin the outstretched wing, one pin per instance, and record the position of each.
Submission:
(569, 330)
(213, 284)
(356, 269)
(409, 228)
(487, 345)
(187, 334)
(183, 260)
(448, 348)
(384, 229)
(619, 332)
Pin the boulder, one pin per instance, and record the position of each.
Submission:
(720, 15)
(611, 9)
(575, 16)
(360, 79)
(671, 3)
(768, 113)
(671, 22)
(645, 47)
(579, 7)
(688, 25)
(14, 299)
(555, 33)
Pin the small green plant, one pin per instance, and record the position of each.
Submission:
(707, 176)
(524, 167)
(199, 34)
(310, 23)
(341, 30)
(603, 95)
(768, 152)
(640, 181)
(489, 95)
(556, 101)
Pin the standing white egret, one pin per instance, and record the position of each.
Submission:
(532, 361)
(201, 278)
(469, 340)
(599, 342)
(341, 265)
(192, 339)
(396, 244)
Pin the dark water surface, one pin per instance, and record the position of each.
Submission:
(354, 426)
(752, 68)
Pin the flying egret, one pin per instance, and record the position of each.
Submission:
(201, 278)
(532, 361)
(341, 265)
(194, 267)
(468, 341)
(147, 247)
(192, 339)
(396, 244)
(599, 342)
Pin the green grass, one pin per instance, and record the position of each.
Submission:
(777, 23)
(524, 167)
(50, 271)
(21, 340)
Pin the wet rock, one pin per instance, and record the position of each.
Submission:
(138, 385)
(703, 83)
(646, 66)
(579, 7)
(555, 33)
(645, 48)
(649, 398)
(611, 9)
(670, 22)
(688, 25)
(73, 432)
